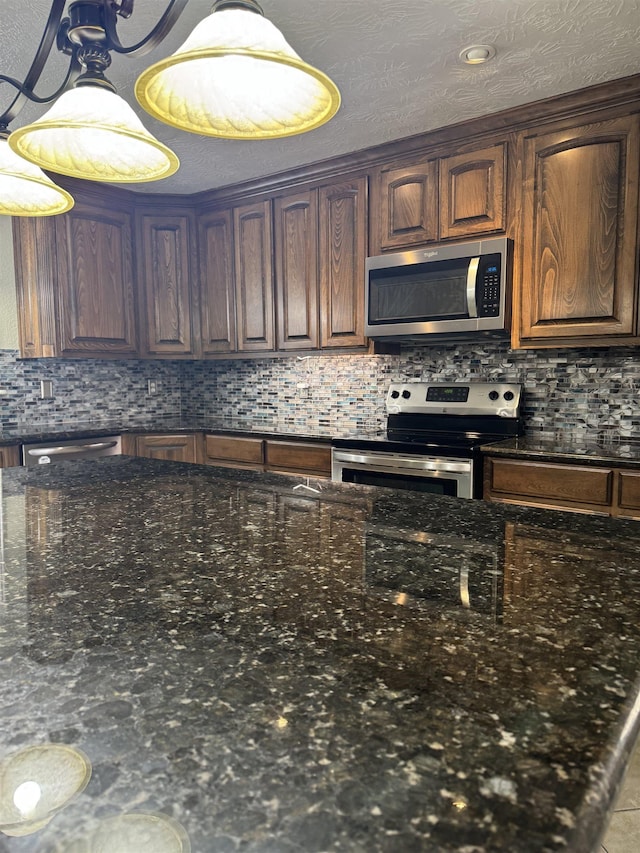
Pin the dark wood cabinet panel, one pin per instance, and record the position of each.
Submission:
(298, 457)
(408, 205)
(217, 288)
(165, 272)
(577, 487)
(628, 494)
(95, 281)
(342, 253)
(296, 270)
(34, 242)
(9, 456)
(233, 451)
(176, 448)
(254, 277)
(472, 192)
(578, 276)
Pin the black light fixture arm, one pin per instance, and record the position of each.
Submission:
(25, 89)
(87, 36)
(152, 39)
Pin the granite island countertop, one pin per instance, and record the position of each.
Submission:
(255, 667)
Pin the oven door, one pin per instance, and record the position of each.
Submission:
(417, 473)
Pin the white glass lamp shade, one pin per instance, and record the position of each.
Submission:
(92, 133)
(25, 190)
(236, 77)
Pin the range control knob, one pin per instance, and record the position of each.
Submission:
(406, 394)
(395, 394)
(493, 395)
(508, 395)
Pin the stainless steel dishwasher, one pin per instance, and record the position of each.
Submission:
(45, 453)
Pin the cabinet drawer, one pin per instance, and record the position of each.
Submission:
(236, 451)
(299, 457)
(549, 484)
(629, 492)
(176, 448)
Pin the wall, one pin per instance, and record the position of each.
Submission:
(568, 392)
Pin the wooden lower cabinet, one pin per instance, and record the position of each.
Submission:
(595, 489)
(181, 447)
(231, 451)
(297, 457)
(9, 456)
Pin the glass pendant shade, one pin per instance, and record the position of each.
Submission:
(236, 77)
(25, 190)
(92, 133)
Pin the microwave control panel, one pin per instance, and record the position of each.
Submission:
(489, 274)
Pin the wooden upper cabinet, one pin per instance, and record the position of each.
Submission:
(578, 271)
(407, 205)
(165, 272)
(472, 192)
(296, 270)
(95, 281)
(254, 277)
(217, 284)
(36, 282)
(341, 254)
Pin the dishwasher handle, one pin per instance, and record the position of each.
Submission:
(71, 449)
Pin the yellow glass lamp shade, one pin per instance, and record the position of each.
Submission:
(92, 133)
(236, 77)
(25, 190)
(36, 783)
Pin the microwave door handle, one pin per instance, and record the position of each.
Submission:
(472, 278)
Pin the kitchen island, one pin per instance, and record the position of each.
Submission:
(250, 666)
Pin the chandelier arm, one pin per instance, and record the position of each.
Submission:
(152, 39)
(73, 72)
(25, 89)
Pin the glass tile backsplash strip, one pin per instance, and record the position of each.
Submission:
(586, 393)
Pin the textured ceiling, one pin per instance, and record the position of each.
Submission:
(395, 63)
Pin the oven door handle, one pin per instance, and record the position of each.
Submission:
(390, 462)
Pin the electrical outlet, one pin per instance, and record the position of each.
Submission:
(46, 389)
(152, 386)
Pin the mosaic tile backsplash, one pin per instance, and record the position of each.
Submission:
(585, 393)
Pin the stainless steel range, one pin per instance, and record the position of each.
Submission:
(433, 437)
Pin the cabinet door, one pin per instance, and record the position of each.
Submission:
(577, 280)
(233, 451)
(34, 240)
(165, 276)
(96, 282)
(627, 494)
(299, 457)
(296, 267)
(472, 193)
(217, 290)
(9, 456)
(576, 487)
(254, 277)
(342, 252)
(406, 206)
(177, 448)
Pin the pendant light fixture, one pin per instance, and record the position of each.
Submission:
(236, 77)
(25, 190)
(90, 132)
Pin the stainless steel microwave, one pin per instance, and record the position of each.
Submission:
(445, 292)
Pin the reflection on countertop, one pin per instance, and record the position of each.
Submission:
(603, 447)
(353, 669)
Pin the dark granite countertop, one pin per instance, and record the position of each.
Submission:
(568, 449)
(253, 667)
